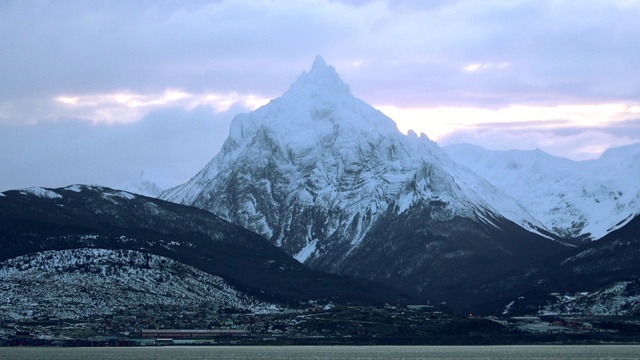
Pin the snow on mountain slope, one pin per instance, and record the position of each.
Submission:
(96, 217)
(148, 183)
(575, 199)
(41, 192)
(618, 299)
(87, 282)
(318, 167)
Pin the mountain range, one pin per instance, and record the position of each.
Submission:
(317, 195)
(332, 182)
(118, 246)
(576, 200)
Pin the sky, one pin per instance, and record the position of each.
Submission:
(98, 92)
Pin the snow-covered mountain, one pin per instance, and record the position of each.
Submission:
(575, 199)
(318, 172)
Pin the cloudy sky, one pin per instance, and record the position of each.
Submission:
(98, 91)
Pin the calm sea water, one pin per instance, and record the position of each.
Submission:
(331, 352)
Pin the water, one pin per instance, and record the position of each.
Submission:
(543, 352)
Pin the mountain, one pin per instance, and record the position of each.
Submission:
(107, 232)
(148, 184)
(575, 199)
(331, 181)
(89, 282)
(600, 277)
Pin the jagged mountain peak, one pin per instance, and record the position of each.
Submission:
(322, 80)
(318, 106)
(319, 63)
(318, 130)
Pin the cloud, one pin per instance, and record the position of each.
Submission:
(564, 138)
(576, 145)
(485, 66)
(557, 52)
(578, 132)
(113, 65)
(172, 141)
(127, 107)
(144, 48)
(88, 47)
(411, 52)
(439, 121)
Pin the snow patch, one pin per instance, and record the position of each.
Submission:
(306, 251)
(404, 202)
(74, 188)
(78, 187)
(620, 298)
(119, 194)
(507, 308)
(41, 192)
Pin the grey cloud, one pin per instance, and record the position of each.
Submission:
(557, 52)
(561, 139)
(79, 46)
(561, 127)
(630, 128)
(172, 141)
(413, 51)
(403, 53)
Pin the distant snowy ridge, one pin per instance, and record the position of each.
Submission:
(573, 198)
(148, 183)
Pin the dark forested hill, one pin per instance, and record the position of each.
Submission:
(37, 219)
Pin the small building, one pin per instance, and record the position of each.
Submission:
(539, 328)
(163, 341)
